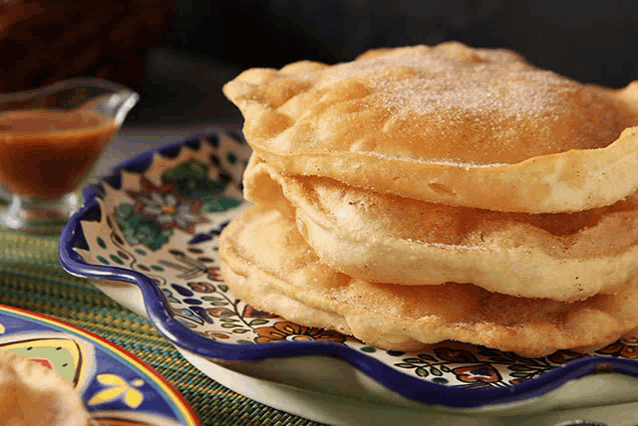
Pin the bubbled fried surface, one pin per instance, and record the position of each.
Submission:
(386, 238)
(269, 265)
(451, 118)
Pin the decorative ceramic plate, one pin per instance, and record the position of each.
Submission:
(117, 388)
(155, 223)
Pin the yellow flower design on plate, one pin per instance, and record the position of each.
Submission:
(118, 388)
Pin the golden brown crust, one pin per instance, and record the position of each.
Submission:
(408, 167)
(386, 238)
(448, 124)
(268, 264)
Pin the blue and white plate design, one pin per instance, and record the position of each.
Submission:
(155, 222)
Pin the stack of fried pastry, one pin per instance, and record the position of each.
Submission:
(422, 194)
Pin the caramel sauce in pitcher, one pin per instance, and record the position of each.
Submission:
(45, 153)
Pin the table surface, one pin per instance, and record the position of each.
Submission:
(183, 99)
(31, 278)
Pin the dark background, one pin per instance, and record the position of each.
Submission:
(588, 41)
(179, 53)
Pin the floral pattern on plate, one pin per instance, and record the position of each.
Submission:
(159, 218)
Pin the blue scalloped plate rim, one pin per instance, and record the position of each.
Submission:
(156, 306)
(107, 356)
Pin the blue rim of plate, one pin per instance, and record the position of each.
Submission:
(173, 398)
(412, 388)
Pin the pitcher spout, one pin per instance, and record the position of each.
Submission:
(115, 106)
(112, 100)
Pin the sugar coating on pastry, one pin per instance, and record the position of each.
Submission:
(387, 238)
(267, 264)
(32, 394)
(450, 124)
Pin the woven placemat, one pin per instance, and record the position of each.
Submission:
(31, 278)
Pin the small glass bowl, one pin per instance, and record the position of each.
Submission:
(50, 140)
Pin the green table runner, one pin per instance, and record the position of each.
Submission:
(31, 278)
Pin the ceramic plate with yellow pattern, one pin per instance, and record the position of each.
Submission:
(117, 388)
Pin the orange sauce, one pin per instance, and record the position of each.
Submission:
(45, 153)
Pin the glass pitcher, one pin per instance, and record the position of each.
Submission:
(50, 140)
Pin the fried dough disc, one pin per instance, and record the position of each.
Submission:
(450, 124)
(386, 238)
(32, 394)
(267, 263)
